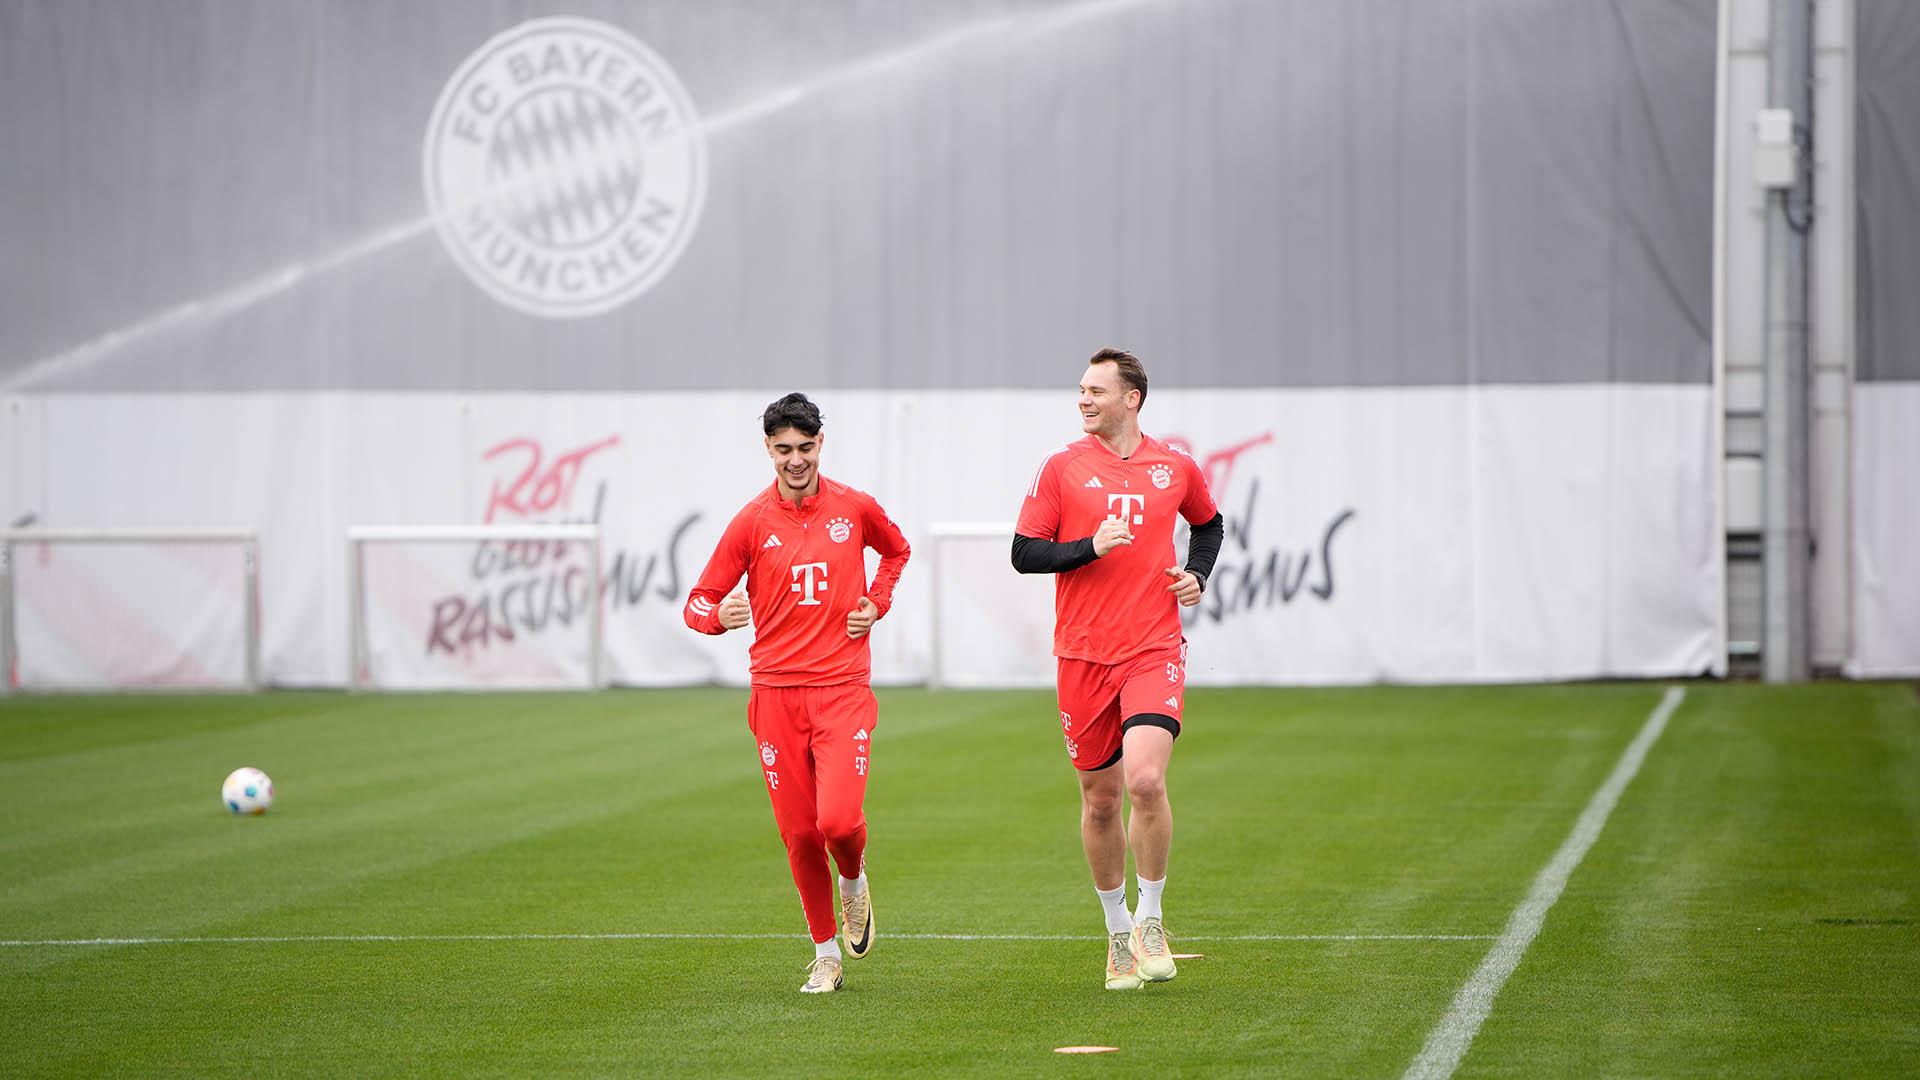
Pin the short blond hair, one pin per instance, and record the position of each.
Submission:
(1127, 366)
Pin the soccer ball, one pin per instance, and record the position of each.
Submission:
(247, 791)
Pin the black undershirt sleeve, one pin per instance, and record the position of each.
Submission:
(1032, 555)
(1203, 547)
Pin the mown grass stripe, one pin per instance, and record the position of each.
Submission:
(1448, 1042)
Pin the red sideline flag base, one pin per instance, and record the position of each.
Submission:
(1084, 1049)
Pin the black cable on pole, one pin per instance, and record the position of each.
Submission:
(1803, 139)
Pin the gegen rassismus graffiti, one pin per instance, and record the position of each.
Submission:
(531, 586)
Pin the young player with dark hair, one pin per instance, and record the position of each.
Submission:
(1100, 514)
(800, 544)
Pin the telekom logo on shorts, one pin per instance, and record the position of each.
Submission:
(1127, 504)
(812, 575)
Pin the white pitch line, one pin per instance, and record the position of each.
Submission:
(351, 938)
(1447, 1043)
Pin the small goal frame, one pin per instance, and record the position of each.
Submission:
(359, 535)
(247, 539)
(939, 673)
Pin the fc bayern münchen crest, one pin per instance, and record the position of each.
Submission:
(565, 167)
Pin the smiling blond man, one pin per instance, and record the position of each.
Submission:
(1101, 515)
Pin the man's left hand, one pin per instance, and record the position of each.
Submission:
(1185, 587)
(861, 619)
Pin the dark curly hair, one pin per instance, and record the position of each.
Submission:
(793, 411)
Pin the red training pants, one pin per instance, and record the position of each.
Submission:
(813, 753)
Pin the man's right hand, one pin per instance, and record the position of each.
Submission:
(1112, 533)
(734, 612)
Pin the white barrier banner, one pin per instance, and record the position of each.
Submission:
(1886, 531)
(1408, 534)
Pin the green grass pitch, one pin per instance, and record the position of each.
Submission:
(505, 885)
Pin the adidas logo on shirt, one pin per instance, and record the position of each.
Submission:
(1093, 481)
(772, 541)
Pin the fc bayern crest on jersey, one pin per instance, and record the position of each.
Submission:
(1161, 475)
(839, 529)
(565, 167)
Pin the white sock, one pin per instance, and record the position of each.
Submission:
(853, 886)
(829, 947)
(1149, 907)
(1114, 902)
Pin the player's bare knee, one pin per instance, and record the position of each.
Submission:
(1147, 788)
(1099, 807)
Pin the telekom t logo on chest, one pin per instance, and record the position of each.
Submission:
(1127, 504)
(807, 577)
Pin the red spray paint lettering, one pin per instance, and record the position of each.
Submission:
(541, 486)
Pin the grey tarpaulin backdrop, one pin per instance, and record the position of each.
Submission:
(1248, 192)
(1889, 190)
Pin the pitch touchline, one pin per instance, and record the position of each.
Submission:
(1447, 1043)
(297, 939)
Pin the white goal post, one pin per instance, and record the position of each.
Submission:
(992, 626)
(475, 607)
(130, 609)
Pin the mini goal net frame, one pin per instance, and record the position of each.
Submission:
(475, 607)
(131, 609)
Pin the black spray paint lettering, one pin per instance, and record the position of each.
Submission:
(628, 578)
(529, 605)
(530, 588)
(498, 560)
(1247, 580)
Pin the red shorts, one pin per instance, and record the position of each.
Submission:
(1099, 701)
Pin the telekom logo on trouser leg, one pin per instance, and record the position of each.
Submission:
(810, 575)
(1127, 505)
